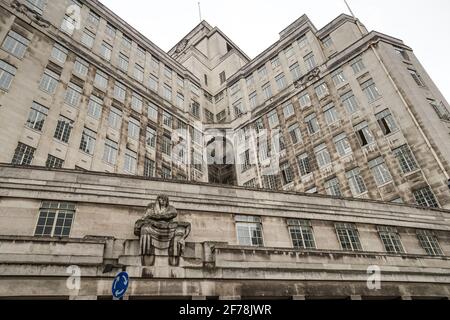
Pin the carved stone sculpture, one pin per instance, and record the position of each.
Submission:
(157, 230)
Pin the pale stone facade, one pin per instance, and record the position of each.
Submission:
(356, 114)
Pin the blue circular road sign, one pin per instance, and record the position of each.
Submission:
(120, 285)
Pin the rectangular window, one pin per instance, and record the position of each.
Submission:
(425, 197)
(253, 100)
(93, 18)
(238, 109)
(81, 67)
(331, 114)
(63, 129)
(167, 91)
(123, 62)
(322, 155)
(380, 171)
(69, 24)
(126, 42)
(289, 52)
(270, 182)
(138, 73)
(322, 90)
(15, 44)
(386, 122)
(88, 141)
(295, 71)
(155, 64)
(371, 90)
(356, 182)
(250, 80)
(349, 102)
(364, 135)
(153, 83)
(130, 163)
(149, 168)
(273, 119)
(288, 110)
(333, 187)
(95, 107)
(120, 91)
(302, 42)
(342, 144)
(49, 81)
(134, 128)
(358, 65)
(312, 124)
(168, 72)
(327, 42)
(55, 219)
(7, 74)
(167, 119)
(166, 173)
(295, 133)
(23, 155)
(304, 100)
(301, 234)
(180, 100)
(37, 116)
(166, 145)
(222, 77)
(417, 78)
(54, 162)
(338, 77)
(348, 236)
(73, 95)
(262, 72)
(406, 159)
(110, 152)
(275, 62)
(36, 5)
(136, 103)
(429, 242)
(106, 51)
(115, 118)
(245, 161)
(88, 38)
(110, 30)
(59, 53)
(140, 52)
(235, 90)
(286, 173)
(195, 109)
(101, 80)
(310, 61)
(249, 231)
(152, 111)
(391, 239)
(402, 53)
(150, 139)
(281, 81)
(304, 164)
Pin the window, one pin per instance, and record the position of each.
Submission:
(87, 39)
(348, 236)
(429, 242)
(54, 162)
(342, 144)
(289, 52)
(36, 5)
(304, 100)
(155, 64)
(69, 24)
(59, 53)
(331, 114)
(245, 161)
(425, 198)
(195, 109)
(380, 171)
(106, 51)
(295, 133)
(286, 173)
(15, 44)
(152, 111)
(391, 239)
(119, 91)
(371, 90)
(386, 122)
(304, 164)
(123, 62)
(134, 128)
(440, 109)
(249, 231)
(262, 72)
(81, 67)
(73, 95)
(238, 109)
(126, 42)
(153, 83)
(37, 116)
(140, 52)
(221, 116)
(166, 173)
(167, 119)
(273, 119)
(180, 100)
(251, 183)
(288, 110)
(138, 73)
(267, 91)
(166, 145)
(115, 118)
(302, 42)
(358, 65)
(275, 62)
(310, 61)
(405, 159)
(301, 234)
(101, 80)
(55, 219)
(23, 155)
(168, 72)
(416, 77)
(250, 80)
(110, 30)
(63, 129)
(270, 182)
(136, 103)
(338, 77)
(222, 77)
(209, 116)
(322, 155)
(402, 53)
(253, 100)
(150, 139)
(349, 102)
(235, 89)
(7, 73)
(95, 107)
(167, 91)
(364, 135)
(197, 160)
(110, 152)
(312, 124)
(93, 18)
(263, 151)
(49, 81)
(295, 71)
(149, 168)
(333, 187)
(322, 90)
(327, 42)
(130, 163)
(281, 81)
(356, 182)
(88, 141)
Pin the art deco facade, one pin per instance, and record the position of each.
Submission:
(338, 111)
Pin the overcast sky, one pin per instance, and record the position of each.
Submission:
(254, 24)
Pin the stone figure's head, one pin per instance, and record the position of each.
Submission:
(162, 201)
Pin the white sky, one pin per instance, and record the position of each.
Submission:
(254, 25)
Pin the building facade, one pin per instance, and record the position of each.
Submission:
(302, 168)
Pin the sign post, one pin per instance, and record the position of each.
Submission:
(120, 285)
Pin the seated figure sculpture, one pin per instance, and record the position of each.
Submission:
(157, 230)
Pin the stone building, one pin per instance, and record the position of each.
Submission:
(96, 121)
